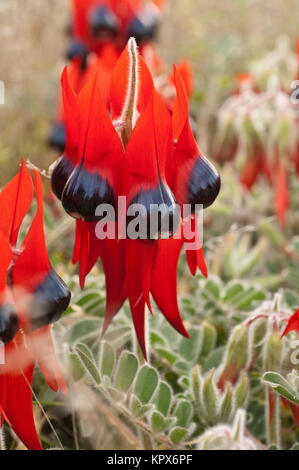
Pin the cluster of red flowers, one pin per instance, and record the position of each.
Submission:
(99, 31)
(258, 125)
(32, 298)
(136, 148)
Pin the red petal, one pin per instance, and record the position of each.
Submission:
(6, 258)
(120, 81)
(293, 323)
(163, 134)
(135, 292)
(84, 255)
(180, 111)
(281, 193)
(15, 200)
(71, 117)
(185, 70)
(164, 282)
(44, 353)
(33, 263)
(16, 394)
(113, 260)
(195, 256)
(141, 166)
(77, 245)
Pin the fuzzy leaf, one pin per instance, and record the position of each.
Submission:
(107, 359)
(281, 386)
(126, 371)
(88, 362)
(146, 384)
(163, 399)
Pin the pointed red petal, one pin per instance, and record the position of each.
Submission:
(146, 254)
(30, 268)
(6, 258)
(69, 98)
(44, 353)
(185, 70)
(84, 255)
(113, 260)
(32, 265)
(99, 143)
(16, 394)
(141, 167)
(164, 282)
(77, 245)
(195, 256)
(135, 292)
(120, 82)
(163, 134)
(180, 111)
(293, 323)
(15, 200)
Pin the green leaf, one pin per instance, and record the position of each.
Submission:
(137, 408)
(209, 337)
(159, 423)
(183, 413)
(107, 359)
(88, 362)
(241, 391)
(210, 398)
(168, 355)
(82, 328)
(281, 386)
(126, 371)
(190, 348)
(212, 287)
(226, 404)
(146, 383)
(163, 398)
(232, 290)
(214, 359)
(178, 434)
(78, 371)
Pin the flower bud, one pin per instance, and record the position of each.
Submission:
(237, 356)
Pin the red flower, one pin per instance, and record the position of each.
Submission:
(150, 158)
(32, 298)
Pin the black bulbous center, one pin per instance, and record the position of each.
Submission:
(76, 49)
(60, 175)
(143, 27)
(57, 138)
(204, 184)
(49, 300)
(9, 323)
(103, 23)
(84, 193)
(153, 214)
